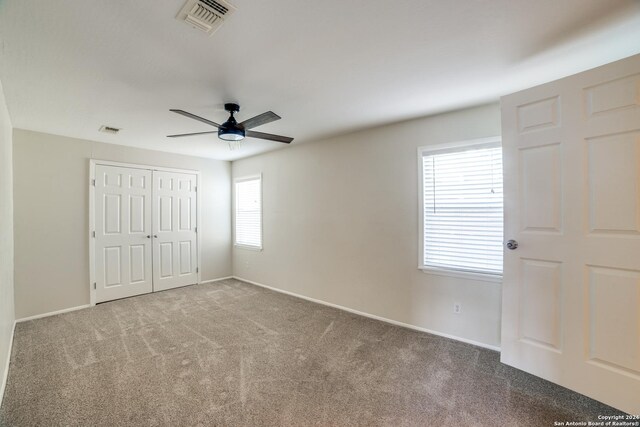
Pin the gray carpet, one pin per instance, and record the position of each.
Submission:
(230, 353)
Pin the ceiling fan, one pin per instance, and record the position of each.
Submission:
(231, 130)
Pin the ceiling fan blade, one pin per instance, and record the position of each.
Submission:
(190, 134)
(193, 116)
(268, 136)
(260, 119)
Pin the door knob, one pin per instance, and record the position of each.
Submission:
(148, 236)
(155, 236)
(512, 245)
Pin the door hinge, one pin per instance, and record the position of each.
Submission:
(195, 188)
(93, 233)
(95, 285)
(197, 269)
(93, 182)
(195, 229)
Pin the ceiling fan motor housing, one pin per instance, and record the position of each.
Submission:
(231, 130)
(231, 107)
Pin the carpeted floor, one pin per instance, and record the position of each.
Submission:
(230, 353)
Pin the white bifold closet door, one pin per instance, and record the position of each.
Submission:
(122, 232)
(174, 224)
(145, 231)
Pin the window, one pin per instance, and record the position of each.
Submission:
(462, 212)
(248, 212)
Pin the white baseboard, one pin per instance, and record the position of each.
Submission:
(53, 313)
(373, 316)
(215, 280)
(5, 374)
(80, 307)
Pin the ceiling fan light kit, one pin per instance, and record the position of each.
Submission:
(234, 132)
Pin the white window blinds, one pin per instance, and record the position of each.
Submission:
(463, 209)
(248, 217)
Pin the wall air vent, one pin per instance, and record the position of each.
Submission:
(205, 15)
(108, 129)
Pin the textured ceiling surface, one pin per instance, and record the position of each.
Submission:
(70, 66)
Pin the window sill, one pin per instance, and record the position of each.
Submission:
(495, 278)
(249, 248)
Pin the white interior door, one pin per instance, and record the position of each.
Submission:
(122, 232)
(571, 292)
(174, 243)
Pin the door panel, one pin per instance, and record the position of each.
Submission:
(541, 195)
(137, 256)
(613, 314)
(186, 265)
(165, 221)
(123, 222)
(623, 151)
(112, 266)
(571, 290)
(166, 259)
(112, 209)
(175, 245)
(136, 214)
(540, 310)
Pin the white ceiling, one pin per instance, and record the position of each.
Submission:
(326, 67)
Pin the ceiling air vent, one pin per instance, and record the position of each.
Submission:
(205, 15)
(108, 129)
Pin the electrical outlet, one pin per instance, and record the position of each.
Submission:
(457, 307)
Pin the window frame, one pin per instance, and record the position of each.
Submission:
(236, 181)
(443, 148)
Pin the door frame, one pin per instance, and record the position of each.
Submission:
(92, 190)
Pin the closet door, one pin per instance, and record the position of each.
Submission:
(123, 232)
(174, 224)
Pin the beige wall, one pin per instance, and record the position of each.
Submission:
(51, 187)
(341, 225)
(6, 240)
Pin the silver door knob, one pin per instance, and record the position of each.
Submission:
(512, 245)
